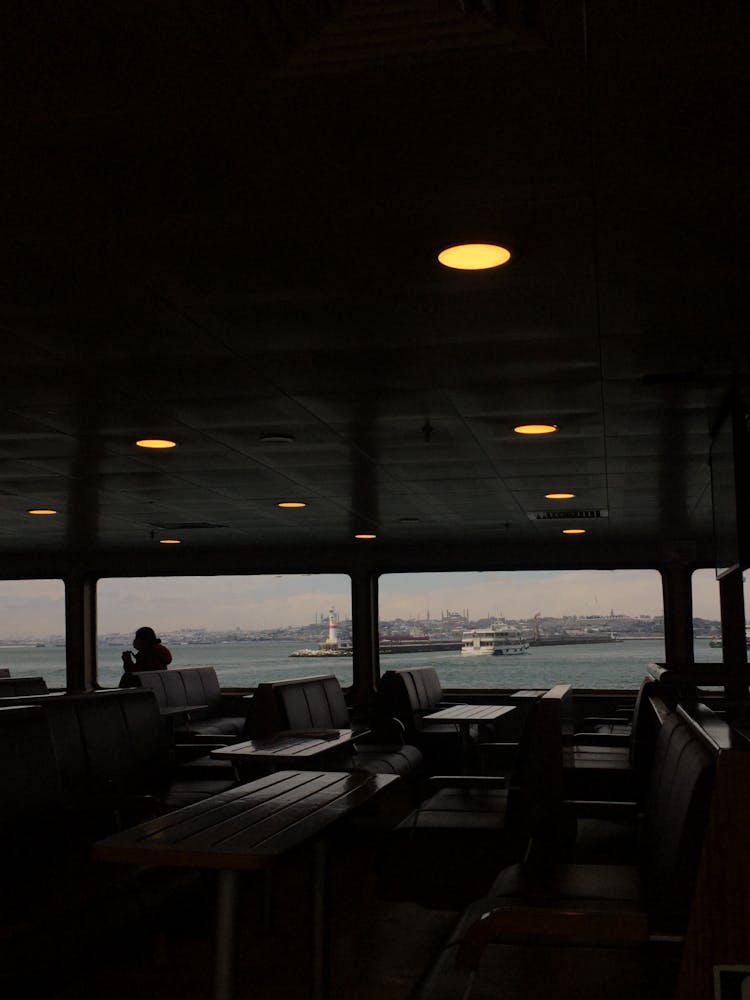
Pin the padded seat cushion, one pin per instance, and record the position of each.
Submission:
(406, 761)
(227, 725)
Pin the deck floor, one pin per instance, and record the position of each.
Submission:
(379, 948)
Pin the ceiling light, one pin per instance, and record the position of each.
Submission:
(536, 428)
(559, 496)
(574, 531)
(289, 504)
(276, 438)
(474, 256)
(41, 510)
(364, 536)
(156, 443)
(170, 541)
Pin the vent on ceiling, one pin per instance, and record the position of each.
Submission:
(567, 515)
(184, 525)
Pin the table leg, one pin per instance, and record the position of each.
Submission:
(226, 924)
(466, 747)
(320, 923)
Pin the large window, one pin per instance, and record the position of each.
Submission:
(248, 628)
(32, 629)
(707, 616)
(591, 629)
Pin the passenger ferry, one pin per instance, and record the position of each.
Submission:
(497, 640)
(373, 291)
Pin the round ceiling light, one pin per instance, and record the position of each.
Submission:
(559, 496)
(536, 428)
(364, 536)
(157, 443)
(474, 256)
(170, 541)
(41, 511)
(291, 504)
(574, 531)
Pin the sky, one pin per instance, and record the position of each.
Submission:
(31, 608)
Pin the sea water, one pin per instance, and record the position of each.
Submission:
(244, 664)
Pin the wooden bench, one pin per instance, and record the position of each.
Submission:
(112, 756)
(176, 688)
(655, 929)
(58, 912)
(445, 851)
(309, 703)
(408, 695)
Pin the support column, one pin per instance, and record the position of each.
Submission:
(80, 631)
(677, 589)
(732, 599)
(365, 635)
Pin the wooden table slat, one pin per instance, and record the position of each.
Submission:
(469, 713)
(247, 827)
(283, 746)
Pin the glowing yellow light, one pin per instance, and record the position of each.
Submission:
(559, 496)
(41, 510)
(474, 256)
(156, 443)
(536, 428)
(170, 541)
(574, 531)
(364, 536)
(291, 504)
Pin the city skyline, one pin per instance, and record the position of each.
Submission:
(36, 607)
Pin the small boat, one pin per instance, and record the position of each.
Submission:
(717, 643)
(497, 640)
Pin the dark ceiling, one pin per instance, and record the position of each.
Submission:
(220, 223)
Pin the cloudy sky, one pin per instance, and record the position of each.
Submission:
(36, 608)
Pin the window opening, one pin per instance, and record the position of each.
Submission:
(32, 629)
(249, 628)
(588, 628)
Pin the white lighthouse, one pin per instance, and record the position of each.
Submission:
(332, 641)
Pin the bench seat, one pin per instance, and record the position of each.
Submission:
(548, 916)
(318, 703)
(59, 913)
(194, 686)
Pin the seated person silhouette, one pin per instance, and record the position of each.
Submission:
(151, 654)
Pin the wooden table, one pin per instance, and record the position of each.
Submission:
(285, 749)
(465, 716)
(249, 828)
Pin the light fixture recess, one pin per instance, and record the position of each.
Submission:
(559, 496)
(41, 511)
(291, 504)
(536, 428)
(474, 256)
(574, 531)
(156, 443)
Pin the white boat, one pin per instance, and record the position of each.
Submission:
(497, 640)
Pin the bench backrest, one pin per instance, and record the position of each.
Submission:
(299, 703)
(12, 687)
(409, 694)
(536, 789)
(183, 686)
(677, 807)
(29, 777)
(112, 739)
